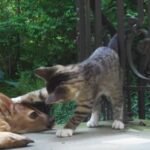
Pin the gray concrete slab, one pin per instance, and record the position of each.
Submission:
(101, 138)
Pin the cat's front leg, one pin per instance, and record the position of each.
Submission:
(80, 114)
(32, 97)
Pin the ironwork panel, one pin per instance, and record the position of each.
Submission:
(128, 48)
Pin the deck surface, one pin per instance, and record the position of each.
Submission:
(101, 138)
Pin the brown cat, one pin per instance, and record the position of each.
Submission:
(19, 118)
(85, 83)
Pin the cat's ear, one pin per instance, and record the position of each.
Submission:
(47, 72)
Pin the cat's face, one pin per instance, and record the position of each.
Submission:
(62, 83)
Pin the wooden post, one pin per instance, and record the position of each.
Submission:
(122, 50)
(83, 28)
(98, 23)
(141, 83)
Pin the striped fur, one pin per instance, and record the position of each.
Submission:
(32, 97)
(85, 82)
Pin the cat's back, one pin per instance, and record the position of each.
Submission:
(102, 62)
(103, 53)
(103, 58)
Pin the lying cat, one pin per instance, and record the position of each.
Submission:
(19, 118)
(84, 82)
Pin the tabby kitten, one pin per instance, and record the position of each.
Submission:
(84, 82)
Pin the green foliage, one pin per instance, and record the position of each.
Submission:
(134, 101)
(134, 104)
(63, 111)
(1, 75)
(27, 82)
(37, 33)
(147, 104)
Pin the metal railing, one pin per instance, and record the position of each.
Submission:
(134, 56)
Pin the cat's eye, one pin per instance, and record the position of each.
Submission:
(33, 115)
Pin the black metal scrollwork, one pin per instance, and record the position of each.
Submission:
(143, 48)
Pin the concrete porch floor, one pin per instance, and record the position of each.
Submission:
(134, 137)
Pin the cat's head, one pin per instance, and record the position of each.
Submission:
(21, 117)
(63, 83)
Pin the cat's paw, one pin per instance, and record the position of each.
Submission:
(118, 124)
(16, 100)
(64, 132)
(92, 123)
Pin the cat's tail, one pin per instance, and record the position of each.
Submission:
(113, 43)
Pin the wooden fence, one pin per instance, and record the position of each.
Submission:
(134, 56)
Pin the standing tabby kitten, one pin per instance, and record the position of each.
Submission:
(86, 82)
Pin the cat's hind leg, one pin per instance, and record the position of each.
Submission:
(117, 106)
(93, 122)
(94, 119)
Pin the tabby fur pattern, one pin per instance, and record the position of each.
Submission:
(85, 82)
